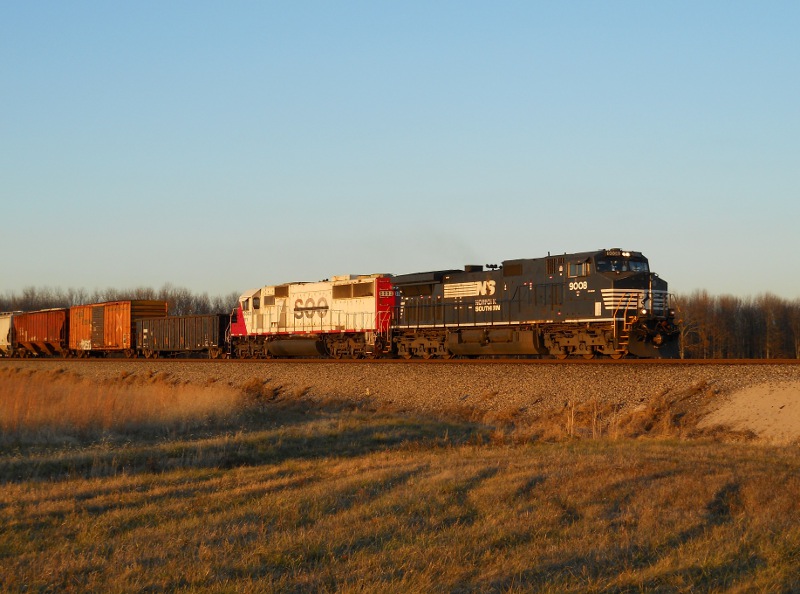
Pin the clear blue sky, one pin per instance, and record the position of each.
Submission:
(225, 145)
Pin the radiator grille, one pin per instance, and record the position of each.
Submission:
(634, 299)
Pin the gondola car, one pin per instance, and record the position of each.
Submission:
(190, 336)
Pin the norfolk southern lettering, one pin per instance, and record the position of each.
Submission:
(486, 305)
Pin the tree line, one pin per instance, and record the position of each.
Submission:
(180, 300)
(728, 327)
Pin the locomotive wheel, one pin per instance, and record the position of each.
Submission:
(588, 356)
(616, 356)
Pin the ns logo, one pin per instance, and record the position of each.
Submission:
(486, 287)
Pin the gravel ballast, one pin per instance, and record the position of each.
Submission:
(438, 386)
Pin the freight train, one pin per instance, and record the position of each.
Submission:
(604, 303)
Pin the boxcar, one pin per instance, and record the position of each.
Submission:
(106, 328)
(196, 335)
(41, 333)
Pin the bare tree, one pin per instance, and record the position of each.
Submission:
(180, 300)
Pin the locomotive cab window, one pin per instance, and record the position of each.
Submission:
(621, 265)
(256, 303)
(246, 305)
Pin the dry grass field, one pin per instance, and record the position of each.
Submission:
(140, 483)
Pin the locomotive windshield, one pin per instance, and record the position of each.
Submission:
(621, 265)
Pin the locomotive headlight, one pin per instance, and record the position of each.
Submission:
(644, 311)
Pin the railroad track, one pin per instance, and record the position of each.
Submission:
(400, 361)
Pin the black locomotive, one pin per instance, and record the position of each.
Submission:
(584, 304)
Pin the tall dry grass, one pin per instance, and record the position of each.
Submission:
(284, 492)
(585, 516)
(58, 406)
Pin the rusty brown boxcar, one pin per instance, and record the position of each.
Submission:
(41, 333)
(190, 336)
(105, 328)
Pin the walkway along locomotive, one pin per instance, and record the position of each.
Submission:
(604, 303)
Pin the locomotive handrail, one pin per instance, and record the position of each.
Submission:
(333, 320)
(627, 298)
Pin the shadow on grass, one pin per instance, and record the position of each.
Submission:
(602, 567)
(310, 435)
